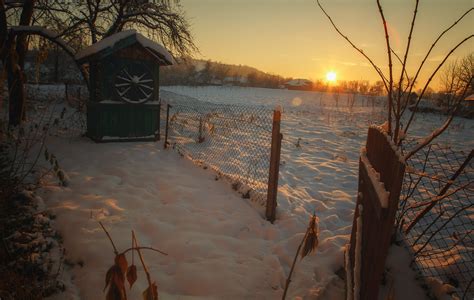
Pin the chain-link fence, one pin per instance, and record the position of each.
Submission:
(436, 216)
(59, 108)
(232, 140)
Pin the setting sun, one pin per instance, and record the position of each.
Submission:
(331, 76)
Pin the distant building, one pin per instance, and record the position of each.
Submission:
(215, 81)
(124, 101)
(299, 84)
(235, 80)
(469, 101)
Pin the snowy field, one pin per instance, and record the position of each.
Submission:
(219, 246)
(324, 168)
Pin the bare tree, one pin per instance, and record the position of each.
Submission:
(13, 58)
(454, 77)
(93, 20)
(458, 74)
(397, 91)
(73, 25)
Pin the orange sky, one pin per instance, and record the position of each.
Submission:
(293, 38)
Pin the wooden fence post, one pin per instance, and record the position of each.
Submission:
(274, 169)
(378, 195)
(165, 145)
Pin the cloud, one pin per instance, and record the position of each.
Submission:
(436, 58)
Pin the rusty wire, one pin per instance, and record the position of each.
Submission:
(232, 140)
(442, 240)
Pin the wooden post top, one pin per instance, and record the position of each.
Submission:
(276, 115)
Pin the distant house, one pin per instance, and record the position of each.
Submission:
(243, 80)
(235, 80)
(215, 81)
(469, 101)
(229, 80)
(467, 110)
(299, 84)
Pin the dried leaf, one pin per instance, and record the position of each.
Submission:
(118, 278)
(121, 261)
(311, 238)
(151, 293)
(132, 275)
(114, 293)
(108, 276)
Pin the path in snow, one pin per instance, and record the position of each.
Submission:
(218, 245)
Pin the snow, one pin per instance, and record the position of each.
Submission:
(109, 42)
(219, 245)
(440, 290)
(348, 272)
(179, 208)
(44, 32)
(400, 277)
(358, 254)
(147, 43)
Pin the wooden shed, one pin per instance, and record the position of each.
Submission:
(124, 98)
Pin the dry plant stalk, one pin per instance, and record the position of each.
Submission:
(308, 243)
(116, 275)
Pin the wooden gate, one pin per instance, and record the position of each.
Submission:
(381, 171)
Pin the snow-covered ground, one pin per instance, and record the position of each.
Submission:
(219, 246)
(324, 169)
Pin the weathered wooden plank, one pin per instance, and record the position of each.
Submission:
(378, 221)
(270, 211)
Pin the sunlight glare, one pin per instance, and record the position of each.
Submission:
(331, 76)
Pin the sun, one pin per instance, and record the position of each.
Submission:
(331, 76)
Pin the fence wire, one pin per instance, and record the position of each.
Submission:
(442, 239)
(232, 140)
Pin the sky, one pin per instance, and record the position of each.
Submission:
(293, 38)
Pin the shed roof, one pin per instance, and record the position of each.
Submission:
(470, 98)
(121, 40)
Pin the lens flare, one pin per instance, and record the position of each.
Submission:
(296, 101)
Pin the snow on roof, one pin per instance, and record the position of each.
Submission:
(44, 32)
(109, 42)
(470, 98)
(298, 82)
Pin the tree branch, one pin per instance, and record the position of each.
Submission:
(431, 78)
(384, 80)
(398, 116)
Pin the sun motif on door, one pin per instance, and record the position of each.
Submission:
(134, 86)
